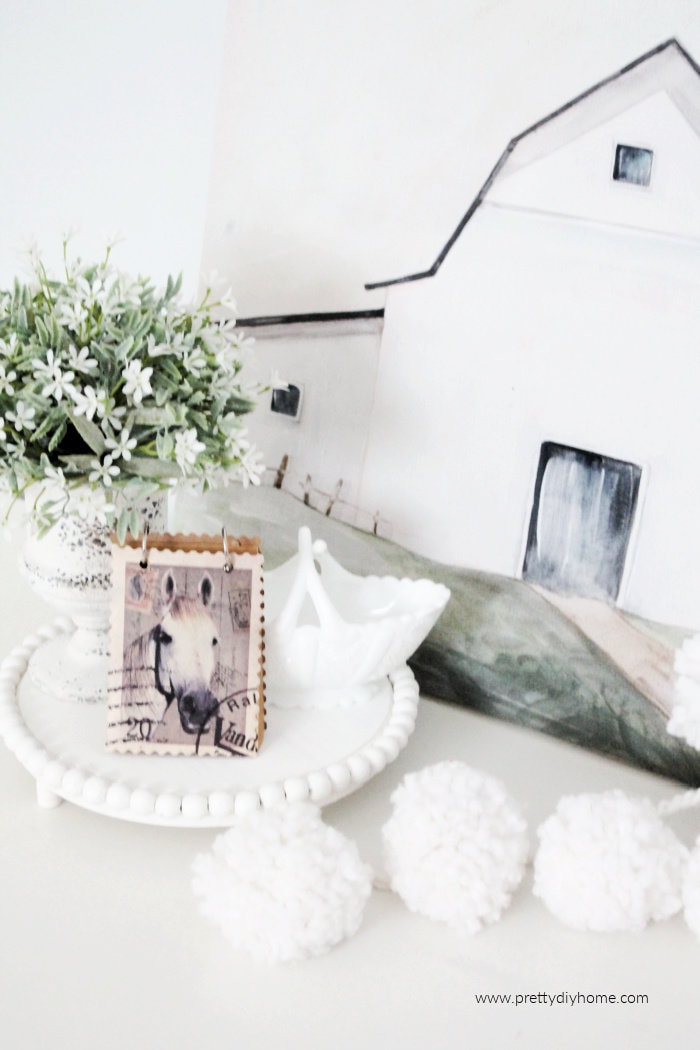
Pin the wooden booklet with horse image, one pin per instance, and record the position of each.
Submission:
(186, 674)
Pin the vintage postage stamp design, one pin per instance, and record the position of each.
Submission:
(186, 648)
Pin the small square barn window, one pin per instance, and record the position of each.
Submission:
(286, 401)
(633, 164)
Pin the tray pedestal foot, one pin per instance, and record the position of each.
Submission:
(47, 798)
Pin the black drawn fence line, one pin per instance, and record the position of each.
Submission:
(330, 504)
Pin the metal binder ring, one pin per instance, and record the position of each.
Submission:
(144, 547)
(228, 565)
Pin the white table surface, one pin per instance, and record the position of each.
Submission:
(102, 946)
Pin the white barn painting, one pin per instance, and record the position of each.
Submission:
(529, 405)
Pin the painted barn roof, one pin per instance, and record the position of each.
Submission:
(667, 68)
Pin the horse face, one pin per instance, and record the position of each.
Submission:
(187, 641)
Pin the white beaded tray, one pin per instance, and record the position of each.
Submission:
(313, 754)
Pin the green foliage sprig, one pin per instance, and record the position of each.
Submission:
(111, 391)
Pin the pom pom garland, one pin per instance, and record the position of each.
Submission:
(607, 862)
(455, 846)
(282, 885)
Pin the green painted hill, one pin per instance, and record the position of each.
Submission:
(499, 647)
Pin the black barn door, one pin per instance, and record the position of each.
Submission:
(581, 522)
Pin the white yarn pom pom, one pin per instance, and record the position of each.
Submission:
(684, 721)
(691, 890)
(455, 846)
(607, 862)
(283, 885)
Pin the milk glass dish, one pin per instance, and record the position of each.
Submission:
(332, 637)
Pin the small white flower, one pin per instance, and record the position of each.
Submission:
(90, 504)
(23, 417)
(110, 416)
(251, 466)
(14, 514)
(103, 473)
(210, 473)
(194, 360)
(3, 432)
(277, 382)
(154, 349)
(249, 463)
(137, 381)
(82, 289)
(15, 450)
(129, 291)
(98, 292)
(6, 380)
(113, 238)
(187, 448)
(227, 301)
(231, 349)
(242, 343)
(86, 402)
(122, 447)
(55, 474)
(219, 290)
(171, 311)
(54, 490)
(80, 360)
(226, 358)
(9, 346)
(59, 383)
(177, 344)
(44, 368)
(71, 315)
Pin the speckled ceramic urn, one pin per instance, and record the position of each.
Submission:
(70, 568)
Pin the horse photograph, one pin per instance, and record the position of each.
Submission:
(184, 672)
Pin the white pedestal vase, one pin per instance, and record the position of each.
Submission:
(70, 568)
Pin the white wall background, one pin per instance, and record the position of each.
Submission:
(107, 125)
(349, 136)
(352, 135)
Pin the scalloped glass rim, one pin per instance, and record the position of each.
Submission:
(328, 628)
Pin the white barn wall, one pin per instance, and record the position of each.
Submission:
(503, 350)
(336, 363)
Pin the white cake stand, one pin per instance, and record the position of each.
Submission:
(320, 755)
